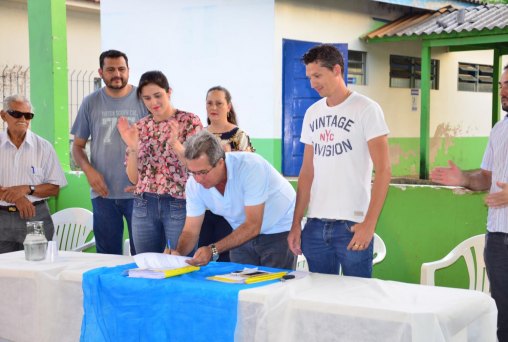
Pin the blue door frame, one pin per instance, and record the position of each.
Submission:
(297, 96)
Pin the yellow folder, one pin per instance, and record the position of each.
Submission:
(160, 273)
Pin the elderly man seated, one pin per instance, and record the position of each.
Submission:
(249, 193)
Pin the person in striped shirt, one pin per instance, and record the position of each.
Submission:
(30, 173)
(492, 176)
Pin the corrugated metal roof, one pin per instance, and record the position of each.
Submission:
(478, 2)
(433, 4)
(445, 20)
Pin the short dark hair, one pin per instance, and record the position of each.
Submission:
(112, 54)
(153, 77)
(326, 54)
(204, 143)
(231, 114)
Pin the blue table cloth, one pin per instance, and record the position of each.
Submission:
(183, 308)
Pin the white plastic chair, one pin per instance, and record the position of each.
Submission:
(127, 247)
(379, 255)
(379, 250)
(472, 251)
(72, 227)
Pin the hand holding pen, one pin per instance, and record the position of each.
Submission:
(170, 251)
(167, 250)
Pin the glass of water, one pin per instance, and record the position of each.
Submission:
(35, 242)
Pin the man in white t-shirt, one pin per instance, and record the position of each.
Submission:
(345, 136)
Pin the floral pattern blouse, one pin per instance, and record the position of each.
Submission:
(159, 169)
(237, 139)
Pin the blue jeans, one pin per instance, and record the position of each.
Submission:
(108, 215)
(496, 260)
(270, 250)
(155, 220)
(324, 244)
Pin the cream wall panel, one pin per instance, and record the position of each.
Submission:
(83, 36)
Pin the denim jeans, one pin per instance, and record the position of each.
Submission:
(213, 229)
(496, 260)
(155, 220)
(324, 244)
(108, 215)
(13, 227)
(269, 250)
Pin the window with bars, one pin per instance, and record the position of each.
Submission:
(475, 77)
(357, 70)
(405, 72)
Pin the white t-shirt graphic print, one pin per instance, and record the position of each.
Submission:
(342, 165)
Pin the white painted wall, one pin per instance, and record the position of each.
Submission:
(83, 40)
(83, 36)
(83, 48)
(199, 44)
(13, 34)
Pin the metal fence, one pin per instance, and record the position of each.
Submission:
(81, 83)
(16, 80)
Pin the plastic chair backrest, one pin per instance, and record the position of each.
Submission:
(471, 250)
(72, 228)
(379, 250)
(127, 247)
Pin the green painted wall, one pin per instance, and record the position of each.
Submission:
(423, 223)
(270, 149)
(467, 153)
(47, 24)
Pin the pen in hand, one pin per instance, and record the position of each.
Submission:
(169, 246)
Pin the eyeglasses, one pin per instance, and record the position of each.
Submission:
(202, 172)
(17, 114)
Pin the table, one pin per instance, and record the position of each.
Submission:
(323, 307)
(43, 301)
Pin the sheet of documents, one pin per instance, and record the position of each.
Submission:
(160, 266)
(159, 260)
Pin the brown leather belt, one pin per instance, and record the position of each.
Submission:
(13, 209)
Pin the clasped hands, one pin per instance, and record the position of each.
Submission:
(17, 195)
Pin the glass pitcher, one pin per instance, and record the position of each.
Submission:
(35, 242)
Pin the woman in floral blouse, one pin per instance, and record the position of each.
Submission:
(154, 161)
(222, 122)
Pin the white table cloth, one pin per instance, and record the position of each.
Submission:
(323, 307)
(42, 300)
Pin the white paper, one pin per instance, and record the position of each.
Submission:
(159, 260)
(145, 273)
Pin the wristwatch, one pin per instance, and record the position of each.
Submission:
(32, 189)
(215, 252)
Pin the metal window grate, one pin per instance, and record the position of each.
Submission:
(16, 80)
(405, 72)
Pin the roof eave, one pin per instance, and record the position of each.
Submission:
(499, 35)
